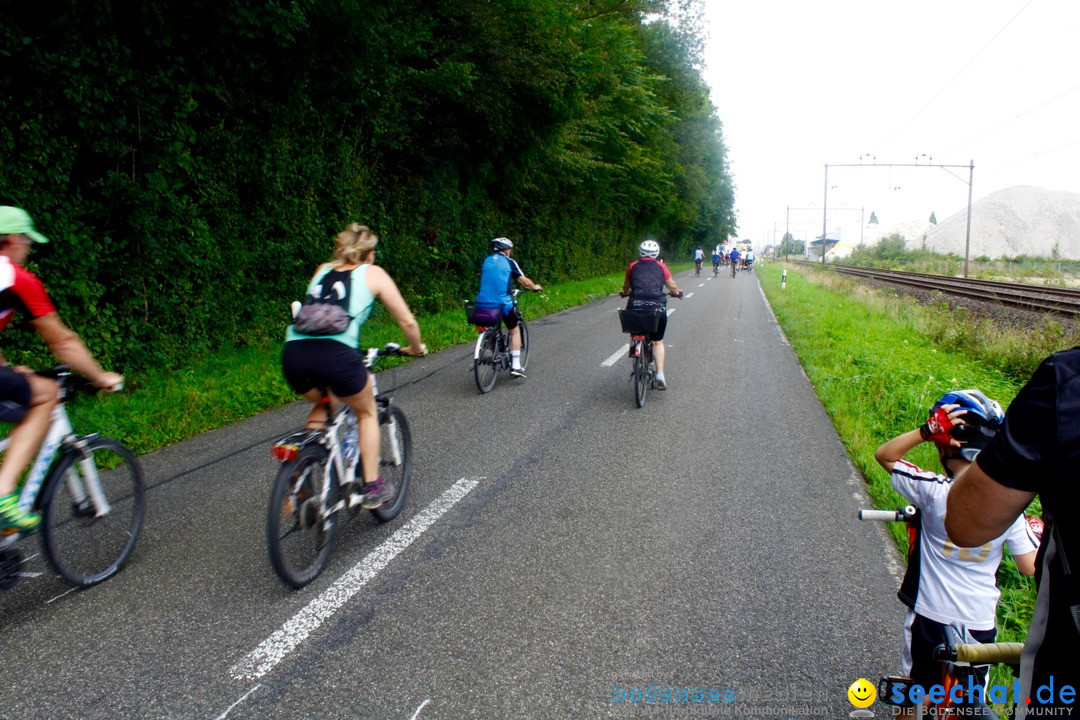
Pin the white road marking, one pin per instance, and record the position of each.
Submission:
(49, 602)
(616, 355)
(776, 323)
(417, 713)
(275, 648)
(244, 697)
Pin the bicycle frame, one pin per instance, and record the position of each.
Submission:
(329, 437)
(59, 429)
(504, 335)
(61, 433)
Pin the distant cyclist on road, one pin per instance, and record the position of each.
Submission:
(496, 281)
(699, 257)
(716, 260)
(27, 400)
(734, 257)
(750, 259)
(646, 280)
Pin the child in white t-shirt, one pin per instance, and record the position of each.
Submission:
(944, 584)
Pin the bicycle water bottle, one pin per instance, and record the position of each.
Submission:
(350, 450)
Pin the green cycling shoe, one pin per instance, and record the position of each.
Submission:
(11, 518)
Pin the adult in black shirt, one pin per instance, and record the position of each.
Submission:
(1037, 451)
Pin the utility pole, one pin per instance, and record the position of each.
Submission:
(824, 215)
(967, 232)
(970, 181)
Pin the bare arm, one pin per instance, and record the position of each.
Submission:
(1026, 563)
(670, 285)
(529, 284)
(71, 350)
(897, 448)
(980, 508)
(383, 287)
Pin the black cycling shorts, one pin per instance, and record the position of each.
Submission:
(14, 395)
(320, 363)
(924, 635)
(510, 317)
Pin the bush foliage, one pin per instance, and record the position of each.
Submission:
(190, 159)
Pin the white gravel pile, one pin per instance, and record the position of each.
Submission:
(1019, 220)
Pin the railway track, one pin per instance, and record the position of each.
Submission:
(1062, 301)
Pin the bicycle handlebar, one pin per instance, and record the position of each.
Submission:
(888, 515)
(669, 293)
(988, 653)
(392, 349)
(72, 382)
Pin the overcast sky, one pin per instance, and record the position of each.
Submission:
(804, 83)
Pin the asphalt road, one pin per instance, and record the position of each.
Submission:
(577, 554)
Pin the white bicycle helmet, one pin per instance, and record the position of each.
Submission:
(649, 248)
(500, 244)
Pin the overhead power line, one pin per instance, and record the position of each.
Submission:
(1013, 119)
(940, 92)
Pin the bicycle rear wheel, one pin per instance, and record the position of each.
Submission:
(395, 461)
(485, 368)
(641, 375)
(85, 541)
(524, 343)
(299, 532)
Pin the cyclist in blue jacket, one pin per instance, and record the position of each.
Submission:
(496, 281)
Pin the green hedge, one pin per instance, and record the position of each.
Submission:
(191, 159)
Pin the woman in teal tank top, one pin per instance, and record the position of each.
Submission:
(311, 363)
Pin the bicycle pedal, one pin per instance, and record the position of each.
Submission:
(82, 508)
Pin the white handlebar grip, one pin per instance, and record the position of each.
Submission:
(885, 515)
(295, 308)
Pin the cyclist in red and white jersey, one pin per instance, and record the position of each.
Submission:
(646, 280)
(27, 400)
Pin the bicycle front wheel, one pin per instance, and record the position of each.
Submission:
(524, 343)
(395, 461)
(485, 369)
(92, 509)
(299, 530)
(641, 376)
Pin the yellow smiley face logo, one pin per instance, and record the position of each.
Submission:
(861, 694)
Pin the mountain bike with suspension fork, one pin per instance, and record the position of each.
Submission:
(641, 323)
(962, 693)
(89, 491)
(317, 482)
(492, 352)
